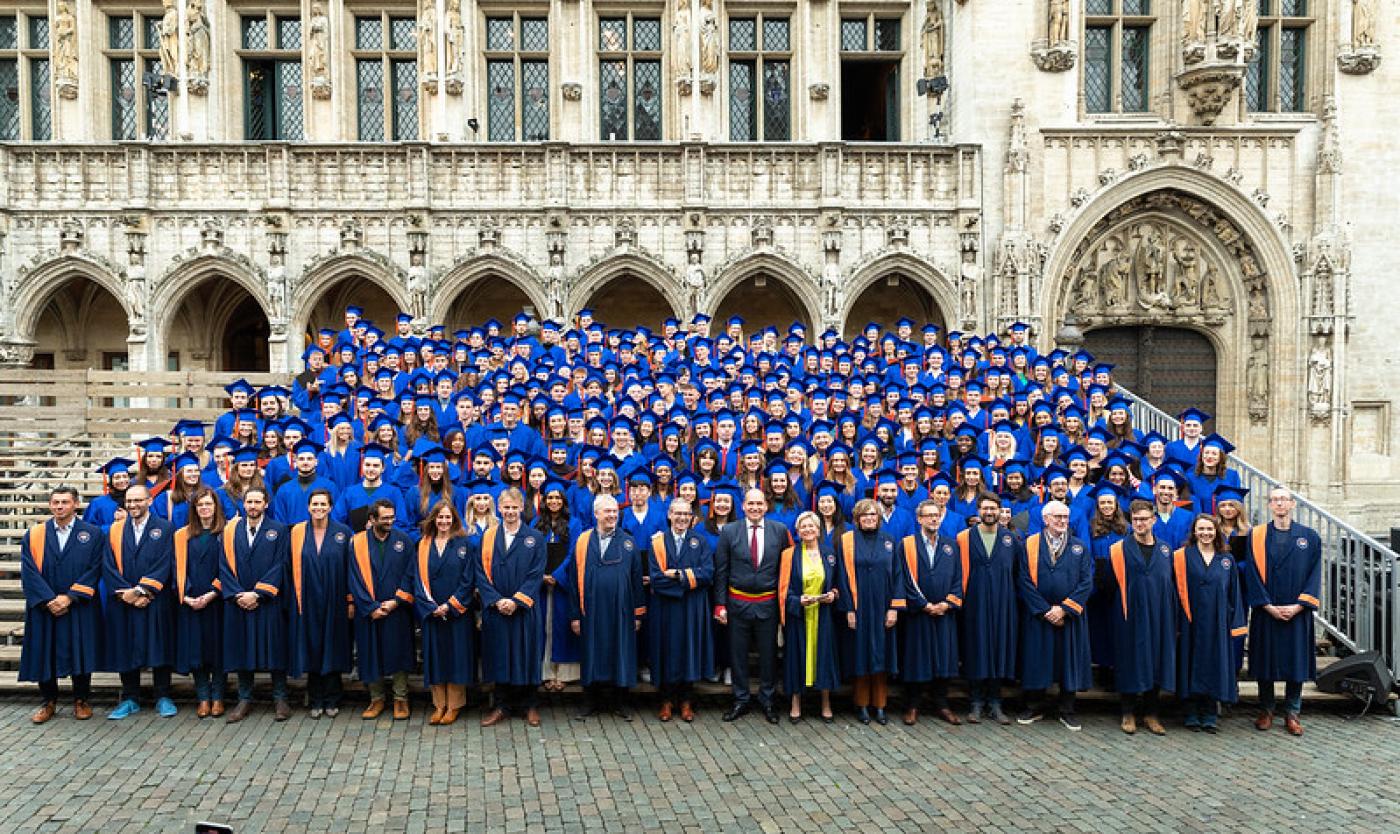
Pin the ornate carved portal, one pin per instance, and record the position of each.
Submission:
(1169, 259)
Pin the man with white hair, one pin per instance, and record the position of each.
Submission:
(607, 602)
(1055, 583)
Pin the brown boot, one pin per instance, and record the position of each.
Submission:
(532, 717)
(202, 711)
(82, 710)
(1292, 724)
(494, 717)
(1129, 724)
(687, 712)
(949, 716)
(400, 709)
(45, 713)
(449, 716)
(665, 712)
(375, 707)
(239, 712)
(216, 709)
(911, 717)
(1154, 726)
(437, 716)
(1264, 721)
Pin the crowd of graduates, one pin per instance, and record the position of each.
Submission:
(531, 507)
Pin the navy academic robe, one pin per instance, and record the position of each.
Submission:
(1102, 602)
(379, 572)
(254, 640)
(70, 644)
(607, 597)
(1212, 615)
(512, 647)
(317, 614)
(1050, 653)
(352, 506)
(930, 647)
(870, 579)
(199, 635)
(1144, 616)
(446, 577)
(563, 643)
(987, 631)
(679, 612)
(139, 638)
(289, 504)
(1282, 567)
(793, 618)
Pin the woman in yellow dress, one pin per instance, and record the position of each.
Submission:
(806, 587)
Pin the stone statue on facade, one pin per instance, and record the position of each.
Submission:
(1150, 267)
(65, 48)
(418, 288)
(1257, 380)
(935, 39)
(318, 51)
(427, 40)
(197, 46)
(695, 280)
(1320, 380)
(1363, 23)
(1193, 20)
(1227, 18)
(1212, 298)
(1114, 278)
(1058, 30)
(967, 285)
(170, 39)
(1186, 289)
(453, 33)
(709, 46)
(682, 61)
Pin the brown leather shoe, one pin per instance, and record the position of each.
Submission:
(202, 711)
(1292, 724)
(216, 709)
(239, 712)
(532, 717)
(281, 710)
(494, 717)
(375, 707)
(437, 715)
(950, 716)
(45, 713)
(400, 709)
(911, 717)
(449, 716)
(1129, 724)
(665, 712)
(1264, 721)
(1154, 726)
(687, 712)
(82, 710)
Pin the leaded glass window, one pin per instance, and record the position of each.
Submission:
(517, 78)
(26, 109)
(140, 106)
(1117, 56)
(1276, 79)
(386, 78)
(760, 90)
(630, 86)
(273, 89)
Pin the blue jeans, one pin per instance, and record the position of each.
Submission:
(279, 686)
(208, 684)
(1206, 708)
(1292, 696)
(985, 691)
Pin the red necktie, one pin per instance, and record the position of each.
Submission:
(753, 545)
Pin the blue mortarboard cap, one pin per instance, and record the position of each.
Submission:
(1193, 414)
(153, 444)
(184, 459)
(307, 446)
(116, 466)
(240, 385)
(245, 454)
(188, 428)
(1225, 446)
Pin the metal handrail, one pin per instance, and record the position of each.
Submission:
(1361, 576)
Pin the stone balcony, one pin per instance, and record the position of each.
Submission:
(256, 177)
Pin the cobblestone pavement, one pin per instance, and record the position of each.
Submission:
(350, 775)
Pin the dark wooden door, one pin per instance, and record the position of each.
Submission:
(1171, 367)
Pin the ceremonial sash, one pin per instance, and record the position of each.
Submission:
(911, 559)
(298, 541)
(848, 556)
(1120, 572)
(1179, 568)
(658, 547)
(965, 556)
(114, 537)
(1258, 548)
(230, 536)
(784, 582)
(423, 547)
(488, 552)
(182, 558)
(1033, 559)
(360, 544)
(38, 536)
(581, 563)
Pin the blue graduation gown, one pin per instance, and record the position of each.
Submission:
(1101, 603)
(139, 638)
(1282, 567)
(101, 511)
(176, 512)
(317, 615)
(793, 620)
(679, 612)
(254, 640)
(563, 643)
(607, 596)
(379, 572)
(289, 503)
(71, 644)
(1049, 653)
(988, 627)
(343, 469)
(1176, 530)
(199, 635)
(1212, 615)
(930, 643)
(870, 578)
(446, 577)
(1144, 616)
(352, 506)
(512, 648)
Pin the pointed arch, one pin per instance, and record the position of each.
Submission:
(906, 265)
(773, 263)
(322, 274)
(188, 273)
(39, 285)
(635, 263)
(476, 267)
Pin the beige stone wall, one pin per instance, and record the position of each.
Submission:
(1292, 213)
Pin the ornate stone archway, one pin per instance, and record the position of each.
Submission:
(1170, 254)
(501, 265)
(235, 276)
(803, 285)
(905, 265)
(635, 264)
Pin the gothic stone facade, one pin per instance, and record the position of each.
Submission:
(1215, 166)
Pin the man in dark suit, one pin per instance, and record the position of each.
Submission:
(746, 599)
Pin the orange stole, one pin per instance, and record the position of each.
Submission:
(965, 556)
(182, 561)
(658, 547)
(1179, 569)
(1118, 560)
(581, 563)
(230, 536)
(848, 556)
(488, 552)
(38, 537)
(423, 547)
(114, 537)
(360, 544)
(784, 581)
(298, 541)
(1033, 558)
(1258, 548)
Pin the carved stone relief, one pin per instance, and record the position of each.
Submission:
(197, 46)
(318, 52)
(65, 48)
